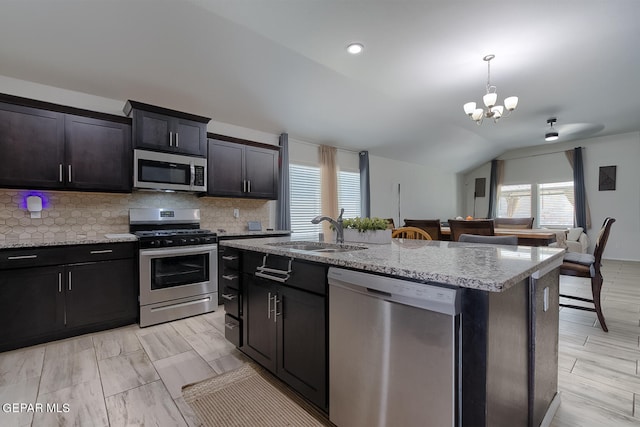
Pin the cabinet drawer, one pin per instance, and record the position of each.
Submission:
(31, 257)
(100, 252)
(229, 259)
(233, 330)
(230, 279)
(304, 275)
(232, 303)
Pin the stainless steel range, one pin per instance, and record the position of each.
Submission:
(178, 264)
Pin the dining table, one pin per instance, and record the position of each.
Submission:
(526, 236)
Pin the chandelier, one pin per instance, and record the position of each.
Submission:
(491, 110)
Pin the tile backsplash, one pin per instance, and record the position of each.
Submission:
(67, 215)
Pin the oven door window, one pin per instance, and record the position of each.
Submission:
(175, 271)
(163, 172)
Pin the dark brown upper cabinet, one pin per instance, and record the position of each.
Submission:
(47, 146)
(161, 129)
(238, 168)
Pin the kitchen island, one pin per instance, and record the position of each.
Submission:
(507, 326)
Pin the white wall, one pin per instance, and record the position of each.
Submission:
(424, 193)
(547, 163)
(467, 188)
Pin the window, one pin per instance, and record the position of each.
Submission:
(349, 193)
(556, 204)
(514, 201)
(304, 185)
(551, 204)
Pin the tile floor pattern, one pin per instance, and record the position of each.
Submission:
(122, 377)
(133, 376)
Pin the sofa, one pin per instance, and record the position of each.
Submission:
(573, 240)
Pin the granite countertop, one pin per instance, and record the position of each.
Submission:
(225, 234)
(110, 238)
(78, 240)
(479, 266)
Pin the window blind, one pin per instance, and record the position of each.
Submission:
(349, 193)
(304, 187)
(556, 204)
(514, 201)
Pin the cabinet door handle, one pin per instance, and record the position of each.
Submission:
(275, 308)
(69, 173)
(229, 257)
(170, 139)
(60, 178)
(244, 185)
(269, 306)
(104, 251)
(177, 140)
(60, 283)
(229, 297)
(229, 277)
(23, 257)
(69, 280)
(248, 186)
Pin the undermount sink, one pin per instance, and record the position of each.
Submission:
(318, 247)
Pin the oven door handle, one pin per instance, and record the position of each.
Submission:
(177, 250)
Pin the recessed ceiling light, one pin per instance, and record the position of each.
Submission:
(355, 48)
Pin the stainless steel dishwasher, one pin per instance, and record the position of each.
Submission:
(393, 351)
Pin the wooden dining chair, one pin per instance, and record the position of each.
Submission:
(431, 226)
(482, 227)
(410, 233)
(492, 240)
(587, 265)
(513, 222)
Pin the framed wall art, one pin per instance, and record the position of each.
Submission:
(607, 178)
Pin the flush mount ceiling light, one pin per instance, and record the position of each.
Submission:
(355, 48)
(552, 135)
(491, 110)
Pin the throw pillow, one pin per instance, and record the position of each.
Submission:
(574, 234)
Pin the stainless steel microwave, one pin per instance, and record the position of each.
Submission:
(165, 171)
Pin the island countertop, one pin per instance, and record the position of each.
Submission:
(492, 268)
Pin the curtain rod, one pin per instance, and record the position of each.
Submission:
(538, 155)
(317, 145)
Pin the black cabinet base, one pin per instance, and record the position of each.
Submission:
(66, 333)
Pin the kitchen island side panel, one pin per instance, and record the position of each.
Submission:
(545, 320)
(508, 357)
(495, 356)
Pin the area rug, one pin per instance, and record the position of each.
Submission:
(250, 396)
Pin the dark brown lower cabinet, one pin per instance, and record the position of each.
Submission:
(44, 303)
(285, 331)
(100, 292)
(31, 304)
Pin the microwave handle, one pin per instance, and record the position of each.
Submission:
(193, 174)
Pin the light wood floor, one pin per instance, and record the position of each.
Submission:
(598, 373)
(133, 376)
(122, 377)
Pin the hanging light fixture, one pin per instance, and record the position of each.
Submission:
(491, 110)
(552, 135)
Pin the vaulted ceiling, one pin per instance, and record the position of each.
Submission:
(281, 66)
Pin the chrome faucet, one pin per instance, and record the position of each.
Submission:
(337, 224)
